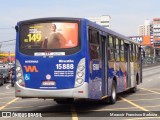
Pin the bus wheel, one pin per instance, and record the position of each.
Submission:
(64, 101)
(113, 97)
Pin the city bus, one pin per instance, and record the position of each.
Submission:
(72, 58)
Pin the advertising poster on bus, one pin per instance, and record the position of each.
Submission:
(53, 35)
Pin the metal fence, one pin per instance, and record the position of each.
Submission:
(149, 61)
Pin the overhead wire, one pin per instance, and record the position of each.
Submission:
(7, 40)
(6, 28)
(7, 45)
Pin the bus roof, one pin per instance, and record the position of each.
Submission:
(126, 39)
(49, 19)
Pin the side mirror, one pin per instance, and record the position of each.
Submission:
(16, 28)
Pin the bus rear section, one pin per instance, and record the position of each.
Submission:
(50, 61)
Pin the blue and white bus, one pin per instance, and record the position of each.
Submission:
(68, 58)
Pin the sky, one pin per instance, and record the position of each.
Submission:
(126, 15)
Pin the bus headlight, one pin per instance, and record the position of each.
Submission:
(19, 74)
(18, 68)
(79, 80)
(20, 81)
(80, 73)
(81, 68)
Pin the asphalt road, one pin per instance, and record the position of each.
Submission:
(146, 101)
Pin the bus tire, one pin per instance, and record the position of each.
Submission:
(113, 97)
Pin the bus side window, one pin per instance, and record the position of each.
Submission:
(125, 53)
(134, 52)
(93, 36)
(111, 44)
(131, 52)
(137, 53)
(94, 44)
(90, 35)
(110, 48)
(117, 46)
(122, 50)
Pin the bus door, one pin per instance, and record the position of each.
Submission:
(128, 69)
(95, 82)
(103, 52)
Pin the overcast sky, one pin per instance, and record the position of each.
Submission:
(126, 15)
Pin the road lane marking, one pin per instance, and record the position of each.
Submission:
(12, 101)
(154, 89)
(143, 94)
(140, 107)
(124, 108)
(74, 114)
(10, 108)
(112, 109)
(29, 101)
(142, 99)
(146, 99)
(7, 87)
(152, 106)
(150, 90)
(130, 102)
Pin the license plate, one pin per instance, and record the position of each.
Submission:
(48, 83)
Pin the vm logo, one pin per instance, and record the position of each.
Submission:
(31, 68)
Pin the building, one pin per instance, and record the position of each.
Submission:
(103, 20)
(156, 32)
(145, 29)
(146, 33)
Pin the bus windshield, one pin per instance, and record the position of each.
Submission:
(48, 36)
